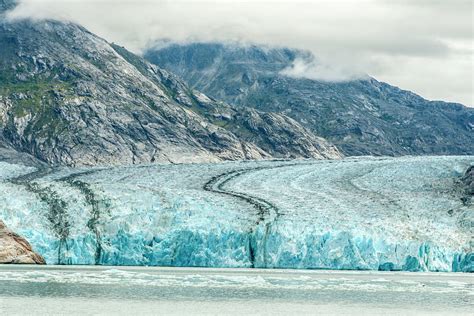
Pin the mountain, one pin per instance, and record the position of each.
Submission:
(361, 117)
(69, 97)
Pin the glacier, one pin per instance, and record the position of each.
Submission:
(362, 213)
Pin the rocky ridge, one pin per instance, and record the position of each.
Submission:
(361, 117)
(68, 97)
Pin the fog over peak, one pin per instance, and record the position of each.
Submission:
(421, 45)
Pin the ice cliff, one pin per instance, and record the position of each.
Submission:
(365, 213)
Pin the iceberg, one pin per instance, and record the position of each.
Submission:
(393, 214)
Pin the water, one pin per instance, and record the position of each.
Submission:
(92, 290)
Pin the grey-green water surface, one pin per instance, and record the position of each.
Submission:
(81, 290)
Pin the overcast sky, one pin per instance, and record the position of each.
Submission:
(421, 45)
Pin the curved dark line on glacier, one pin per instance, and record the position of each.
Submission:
(57, 215)
(91, 199)
(216, 185)
(25, 178)
(265, 208)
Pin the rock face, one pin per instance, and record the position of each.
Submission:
(69, 97)
(361, 117)
(15, 249)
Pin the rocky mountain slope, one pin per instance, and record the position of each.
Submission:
(362, 117)
(70, 97)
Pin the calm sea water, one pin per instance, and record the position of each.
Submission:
(77, 290)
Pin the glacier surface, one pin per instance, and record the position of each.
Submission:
(356, 213)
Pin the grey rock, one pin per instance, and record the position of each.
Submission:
(68, 97)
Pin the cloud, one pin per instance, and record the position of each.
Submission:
(421, 45)
(312, 69)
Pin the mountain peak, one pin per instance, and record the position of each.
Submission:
(78, 100)
(361, 116)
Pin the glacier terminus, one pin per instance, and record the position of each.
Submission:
(360, 213)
